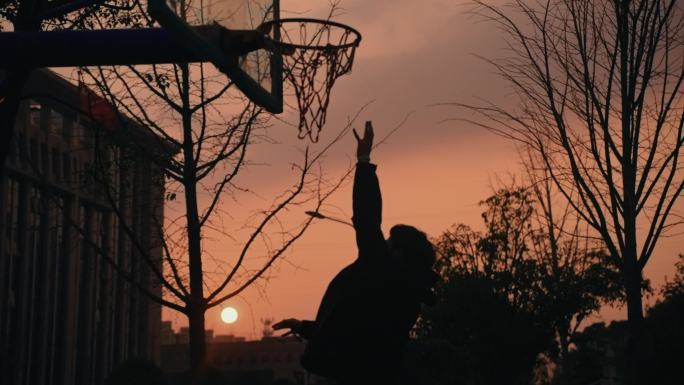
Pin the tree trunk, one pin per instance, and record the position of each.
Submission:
(563, 335)
(197, 304)
(635, 320)
(198, 347)
(630, 269)
(564, 342)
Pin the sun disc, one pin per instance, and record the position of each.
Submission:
(229, 315)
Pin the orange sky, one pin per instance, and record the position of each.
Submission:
(432, 173)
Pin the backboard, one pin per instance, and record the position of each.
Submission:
(258, 73)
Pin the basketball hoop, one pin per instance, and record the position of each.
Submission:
(315, 53)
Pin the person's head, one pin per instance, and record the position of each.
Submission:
(411, 247)
(414, 253)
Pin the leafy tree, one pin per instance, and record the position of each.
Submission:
(600, 351)
(598, 354)
(488, 339)
(665, 338)
(675, 287)
(548, 270)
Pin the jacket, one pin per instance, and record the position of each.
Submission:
(369, 307)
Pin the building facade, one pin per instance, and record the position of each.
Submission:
(66, 315)
(271, 360)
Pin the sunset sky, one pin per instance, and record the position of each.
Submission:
(433, 171)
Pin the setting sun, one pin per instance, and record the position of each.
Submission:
(229, 315)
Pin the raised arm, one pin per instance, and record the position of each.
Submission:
(367, 201)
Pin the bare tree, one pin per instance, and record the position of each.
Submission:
(206, 129)
(599, 101)
(192, 124)
(193, 280)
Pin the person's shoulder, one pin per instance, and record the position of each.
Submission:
(377, 264)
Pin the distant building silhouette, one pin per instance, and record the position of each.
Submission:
(265, 361)
(66, 317)
(169, 337)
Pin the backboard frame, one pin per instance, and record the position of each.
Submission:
(224, 61)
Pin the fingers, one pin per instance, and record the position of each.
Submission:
(367, 133)
(369, 129)
(285, 324)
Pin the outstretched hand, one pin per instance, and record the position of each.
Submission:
(294, 325)
(364, 145)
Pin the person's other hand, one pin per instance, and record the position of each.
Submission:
(364, 145)
(294, 325)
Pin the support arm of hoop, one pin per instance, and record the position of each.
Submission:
(133, 46)
(91, 48)
(117, 47)
(192, 41)
(64, 7)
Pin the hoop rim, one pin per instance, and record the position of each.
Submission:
(267, 26)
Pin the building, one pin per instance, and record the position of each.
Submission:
(169, 337)
(66, 316)
(271, 360)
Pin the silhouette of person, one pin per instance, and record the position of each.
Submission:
(366, 314)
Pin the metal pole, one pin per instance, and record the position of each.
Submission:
(12, 81)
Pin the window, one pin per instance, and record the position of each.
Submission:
(79, 136)
(33, 152)
(35, 212)
(44, 158)
(13, 155)
(99, 227)
(67, 130)
(12, 212)
(55, 163)
(74, 169)
(56, 123)
(66, 167)
(56, 218)
(23, 151)
(35, 110)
